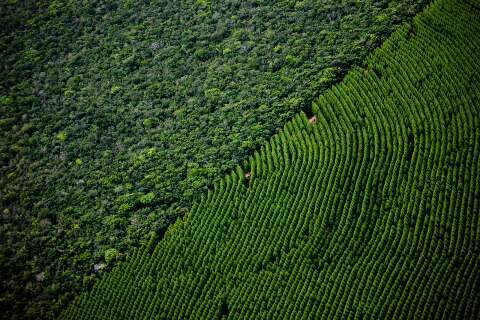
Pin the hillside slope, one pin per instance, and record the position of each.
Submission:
(371, 212)
(116, 115)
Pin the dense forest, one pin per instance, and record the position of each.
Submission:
(115, 116)
(369, 209)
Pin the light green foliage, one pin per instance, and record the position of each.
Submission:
(371, 212)
(62, 136)
(125, 207)
(110, 255)
(381, 18)
(115, 89)
(292, 60)
(147, 198)
(213, 95)
(329, 74)
(147, 123)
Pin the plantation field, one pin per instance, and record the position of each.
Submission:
(371, 212)
(116, 115)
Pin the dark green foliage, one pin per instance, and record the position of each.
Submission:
(370, 213)
(116, 115)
